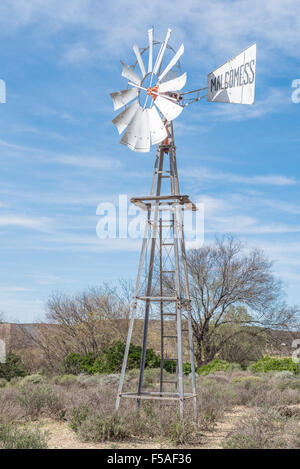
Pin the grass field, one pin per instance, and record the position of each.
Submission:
(236, 410)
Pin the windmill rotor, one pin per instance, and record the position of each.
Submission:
(151, 98)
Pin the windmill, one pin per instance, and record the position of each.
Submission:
(152, 100)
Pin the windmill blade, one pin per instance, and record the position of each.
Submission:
(172, 62)
(123, 119)
(139, 59)
(169, 109)
(131, 75)
(157, 129)
(150, 37)
(173, 85)
(162, 51)
(137, 135)
(120, 98)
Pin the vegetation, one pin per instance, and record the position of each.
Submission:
(267, 364)
(12, 437)
(12, 368)
(217, 365)
(226, 283)
(110, 361)
(85, 403)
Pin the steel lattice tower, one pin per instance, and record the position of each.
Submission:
(165, 288)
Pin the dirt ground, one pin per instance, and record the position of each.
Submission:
(61, 436)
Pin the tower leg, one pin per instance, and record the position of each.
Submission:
(150, 275)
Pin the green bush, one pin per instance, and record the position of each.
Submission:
(267, 364)
(32, 379)
(217, 365)
(12, 368)
(64, 380)
(247, 379)
(12, 437)
(110, 361)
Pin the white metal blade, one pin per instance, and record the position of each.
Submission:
(139, 59)
(173, 85)
(150, 36)
(157, 129)
(169, 109)
(172, 62)
(123, 119)
(130, 74)
(162, 51)
(137, 135)
(120, 98)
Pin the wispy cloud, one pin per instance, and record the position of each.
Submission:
(89, 162)
(25, 222)
(206, 174)
(83, 161)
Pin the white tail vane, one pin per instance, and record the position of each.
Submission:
(142, 125)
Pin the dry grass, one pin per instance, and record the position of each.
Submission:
(83, 407)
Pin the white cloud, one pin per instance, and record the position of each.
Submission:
(12, 288)
(210, 26)
(83, 161)
(25, 222)
(89, 162)
(205, 174)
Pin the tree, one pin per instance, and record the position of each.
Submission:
(233, 292)
(85, 323)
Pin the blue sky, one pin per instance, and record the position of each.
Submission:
(60, 154)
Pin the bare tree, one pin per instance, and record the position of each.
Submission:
(85, 323)
(231, 290)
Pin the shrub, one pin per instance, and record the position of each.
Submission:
(12, 437)
(65, 380)
(264, 429)
(78, 415)
(32, 379)
(110, 361)
(217, 365)
(3, 383)
(13, 367)
(247, 379)
(103, 428)
(38, 399)
(267, 364)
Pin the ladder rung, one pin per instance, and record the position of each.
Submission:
(167, 244)
(168, 271)
(170, 336)
(168, 381)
